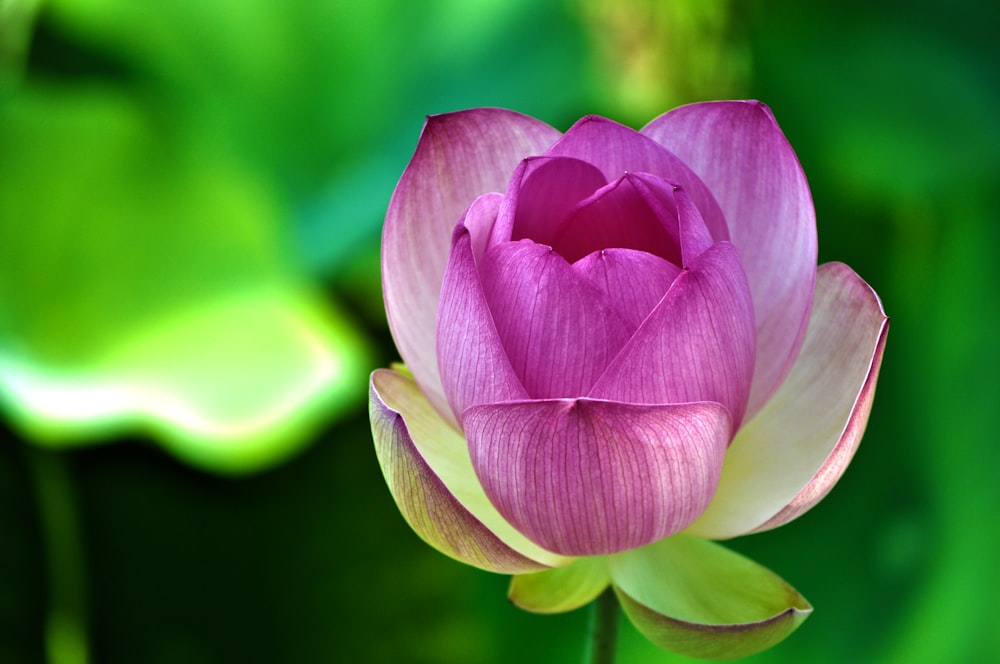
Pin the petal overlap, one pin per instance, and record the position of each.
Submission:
(474, 367)
(558, 330)
(743, 157)
(459, 156)
(429, 473)
(696, 345)
(616, 149)
(584, 477)
(793, 452)
(542, 195)
(632, 281)
(619, 216)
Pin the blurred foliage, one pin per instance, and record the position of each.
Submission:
(184, 184)
(148, 277)
(652, 56)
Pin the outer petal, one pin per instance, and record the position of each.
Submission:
(739, 151)
(793, 452)
(542, 194)
(459, 156)
(700, 599)
(617, 149)
(474, 366)
(561, 589)
(585, 477)
(427, 467)
(696, 345)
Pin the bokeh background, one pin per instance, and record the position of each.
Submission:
(191, 196)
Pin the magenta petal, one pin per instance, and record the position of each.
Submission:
(459, 156)
(739, 151)
(474, 366)
(682, 218)
(622, 215)
(480, 219)
(541, 196)
(584, 477)
(558, 329)
(694, 236)
(616, 150)
(633, 281)
(696, 345)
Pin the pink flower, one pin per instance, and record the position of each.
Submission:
(617, 341)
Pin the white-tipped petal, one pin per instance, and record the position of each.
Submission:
(793, 452)
(427, 467)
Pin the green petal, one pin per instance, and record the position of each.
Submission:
(561, 589)
(697, 598)
(427, 467)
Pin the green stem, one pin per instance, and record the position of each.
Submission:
(65, 628)
(603, 629)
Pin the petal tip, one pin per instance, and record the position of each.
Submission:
(714, 642)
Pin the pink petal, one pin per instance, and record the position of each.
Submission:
(633, 281)
(677, 214)
(792, 453)
(621, 215)
(459, 156)
(480, 219)
(584, 477)
(739, 151)
(542, 194)
(694, 236)
(616, 150)
(696, 345)
(427, 467)
(474, 366)
(557, 328)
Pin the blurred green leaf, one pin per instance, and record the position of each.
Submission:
(145, 281)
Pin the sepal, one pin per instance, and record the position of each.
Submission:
(561, 589)
(697, 598)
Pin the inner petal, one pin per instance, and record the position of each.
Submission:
(542, 194)
(681, 217)
(624, 215)
(634, 281)
(696, 345)
(559, 329)
(615, 149)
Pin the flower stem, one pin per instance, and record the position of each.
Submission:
(603, 629)
(65, 628)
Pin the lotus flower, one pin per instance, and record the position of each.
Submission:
(618, 347)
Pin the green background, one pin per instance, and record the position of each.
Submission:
(282, 127)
